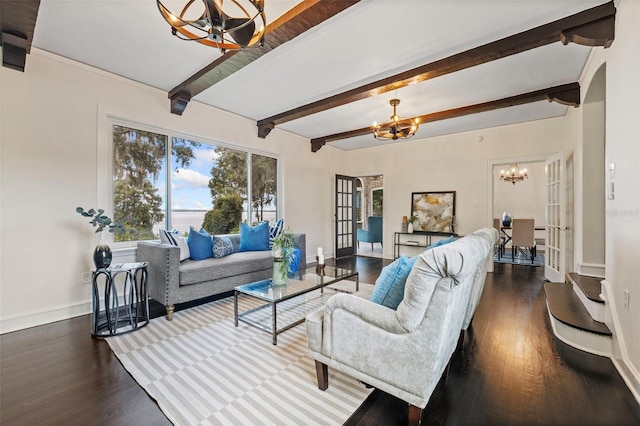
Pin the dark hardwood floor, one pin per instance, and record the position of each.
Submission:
(511, 371)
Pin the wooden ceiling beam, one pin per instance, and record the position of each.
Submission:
(566, 94)
(591, 27)
(302, 17)
(17, 24)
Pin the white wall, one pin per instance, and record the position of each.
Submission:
(623, 149)
(51, 117)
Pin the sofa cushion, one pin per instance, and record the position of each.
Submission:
(193, 272)
(200, 244)
(389, 288)
(175, 238)
(222, 246)
(254, 238)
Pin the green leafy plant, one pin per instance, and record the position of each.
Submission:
(282, 249)
(100, 221)
(412, 218)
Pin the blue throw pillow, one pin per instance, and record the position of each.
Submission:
(441, 242)
(295, 263)
(222, 246)
(275, 230)
(200, 244)
(389, 288)
(254, 238)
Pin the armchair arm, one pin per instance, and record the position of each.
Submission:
(372, 313)
(366, 337)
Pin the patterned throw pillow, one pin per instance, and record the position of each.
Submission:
(275, 230)
(175, 238)
(222, 246)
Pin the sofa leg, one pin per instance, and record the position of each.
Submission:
(170, 309)
(415, 415)
(322, 371)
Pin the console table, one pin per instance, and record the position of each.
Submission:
(123, 311)
(416, 239)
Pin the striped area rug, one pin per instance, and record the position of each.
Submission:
(202, 370)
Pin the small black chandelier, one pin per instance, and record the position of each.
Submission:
(395, 127)
(212, 26)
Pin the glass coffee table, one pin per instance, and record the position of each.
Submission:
(298, 285)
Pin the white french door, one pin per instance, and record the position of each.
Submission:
(554, 267)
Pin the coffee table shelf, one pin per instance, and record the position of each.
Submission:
(297, 286)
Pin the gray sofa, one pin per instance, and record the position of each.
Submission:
(171, 281)
(404, 352)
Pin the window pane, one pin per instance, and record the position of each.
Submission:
(139, 171)
(376, 201)
(264, 187)
(191, 164)
(228, 191)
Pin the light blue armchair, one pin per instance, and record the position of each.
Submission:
(374, 232)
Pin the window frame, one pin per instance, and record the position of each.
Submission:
(104, 180)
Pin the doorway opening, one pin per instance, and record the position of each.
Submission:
(369, 215)
(522, 200)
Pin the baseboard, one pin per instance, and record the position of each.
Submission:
(620, 355)
(591, 269)
(33, 319)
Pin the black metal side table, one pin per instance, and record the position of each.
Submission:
(123, 311)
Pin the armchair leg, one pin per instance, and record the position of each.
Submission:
(170, 309)
(322, 372)
(415, 415)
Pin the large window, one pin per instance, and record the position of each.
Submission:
(199, 184)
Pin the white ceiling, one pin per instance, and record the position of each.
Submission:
(366, 42)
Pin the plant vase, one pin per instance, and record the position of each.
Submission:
(102, 254)
(279, 272)
(410, 228)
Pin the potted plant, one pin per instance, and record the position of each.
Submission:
(282, 250)
(102, 254)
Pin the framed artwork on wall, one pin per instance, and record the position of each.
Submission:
(434, 211)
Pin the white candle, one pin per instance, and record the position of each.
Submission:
(319, 251)
(320, 259)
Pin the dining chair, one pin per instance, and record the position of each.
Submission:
(523, 237)
(500, 244)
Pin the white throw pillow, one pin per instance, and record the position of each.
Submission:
(175, 238)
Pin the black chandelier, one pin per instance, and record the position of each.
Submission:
(395, 127)
(212, 26)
